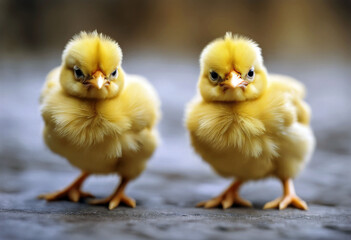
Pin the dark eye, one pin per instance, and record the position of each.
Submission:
(78, 73)
(251, 73)
(214, 76)
(114, 73)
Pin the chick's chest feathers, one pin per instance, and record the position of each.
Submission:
(231, 142)
(84, 122)
(250, 127)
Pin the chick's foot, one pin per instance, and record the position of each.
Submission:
(71, 192)
(116, 198)
(227, 199)
(289, 198)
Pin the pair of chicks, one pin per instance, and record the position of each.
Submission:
(244, 122)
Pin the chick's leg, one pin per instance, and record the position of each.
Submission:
(117, 197)
(72, 191)
(288, 198)
(227, 199)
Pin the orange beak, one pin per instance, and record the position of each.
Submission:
(234, 80)
(98, 79)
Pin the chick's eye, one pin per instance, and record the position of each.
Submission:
(78, 73)
(214, 76)
(251, 73)
(114, 73)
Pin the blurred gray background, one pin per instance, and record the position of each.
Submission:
(162, 40)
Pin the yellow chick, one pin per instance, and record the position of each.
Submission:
(248, 124)
(99, 118)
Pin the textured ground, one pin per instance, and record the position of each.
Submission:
(176, 178)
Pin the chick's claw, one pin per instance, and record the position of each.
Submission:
(289, 198)
(116, 198)
(72, 194)
(114, 202)
(283, 202)
(232, 199)
(214, 202)
(130, 202)
(227, 199)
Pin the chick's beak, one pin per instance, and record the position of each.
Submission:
(98, 79)
(234, 80)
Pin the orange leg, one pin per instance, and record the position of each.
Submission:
(227, 199)
(72, 191)
(288, 198)
(117, 197)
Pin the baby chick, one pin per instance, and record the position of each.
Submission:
(249, 124)
(99, 118)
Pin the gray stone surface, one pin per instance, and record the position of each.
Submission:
(175, 178)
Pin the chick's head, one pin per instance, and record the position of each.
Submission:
(91, 67)
(232, 70)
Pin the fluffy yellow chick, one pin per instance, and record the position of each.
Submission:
(99, 118)
(248, 124)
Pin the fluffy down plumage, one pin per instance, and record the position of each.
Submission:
(248, 132)
(99, 130)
